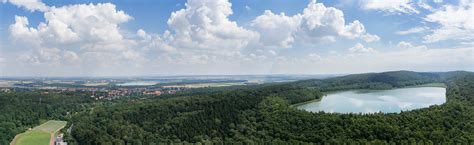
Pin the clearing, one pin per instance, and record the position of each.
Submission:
(40, 135)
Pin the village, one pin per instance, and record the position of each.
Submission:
(99, 93)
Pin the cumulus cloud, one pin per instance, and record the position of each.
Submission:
(316, 23)
(320, 21)
(201, 38)
(201, 33)
(50, 56)
(31, 5)
(204, 24)
(77, 28)
(391, 6)
(151, 42)
(277, 29)
(359, 48)
(403, 44)
(142, 34)
(456, 22)
(357, 30)
(75, 23)
(20, 30)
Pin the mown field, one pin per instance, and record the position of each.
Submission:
(32, 137)
(51, 126)
(40, 135)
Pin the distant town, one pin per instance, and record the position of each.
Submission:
(115, 88)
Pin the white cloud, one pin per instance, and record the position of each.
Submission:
(50, 56)
(90, 22)
(78, 28)
(412, 58)
(408, 45)
(425, 5)
(31, 5)
(403, 44)
(359, 48)
(456, 22)
(157, 42)
(314, 57)
(370, 37)
(20, 30)
(204, 25)
(437, 1)
(355, 30)
(321, 21)
(70, 57)
(248, 8)
(142, 34)
(391, 6)
(413, 30)
(73, 24)
(277, 29)
(202, 39)
(316, 23)
(200, 33)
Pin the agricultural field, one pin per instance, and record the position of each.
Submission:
(95, 84)
(40, 135)
(203, 85)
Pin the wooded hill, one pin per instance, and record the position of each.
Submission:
(262, 114)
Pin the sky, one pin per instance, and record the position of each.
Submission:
(233, 37)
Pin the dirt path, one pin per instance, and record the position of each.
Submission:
(52, 139)
(14, 139)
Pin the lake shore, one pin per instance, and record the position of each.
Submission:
(331, 92)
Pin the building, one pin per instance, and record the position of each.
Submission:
(59, 140)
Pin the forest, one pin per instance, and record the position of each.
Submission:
(252, 114)
(23, 109)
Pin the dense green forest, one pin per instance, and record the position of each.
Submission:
(256, 114)
(22, 110)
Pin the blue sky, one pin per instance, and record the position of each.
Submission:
(175, 37)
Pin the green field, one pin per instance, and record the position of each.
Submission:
(39, 135)
(51, 126)
(33, 137)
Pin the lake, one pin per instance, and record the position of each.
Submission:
(138, 83)
(371, 101)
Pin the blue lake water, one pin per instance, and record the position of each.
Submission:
(371, 101)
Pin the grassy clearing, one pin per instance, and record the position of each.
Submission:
(51, 126)
(40, 135)
(33, 137)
